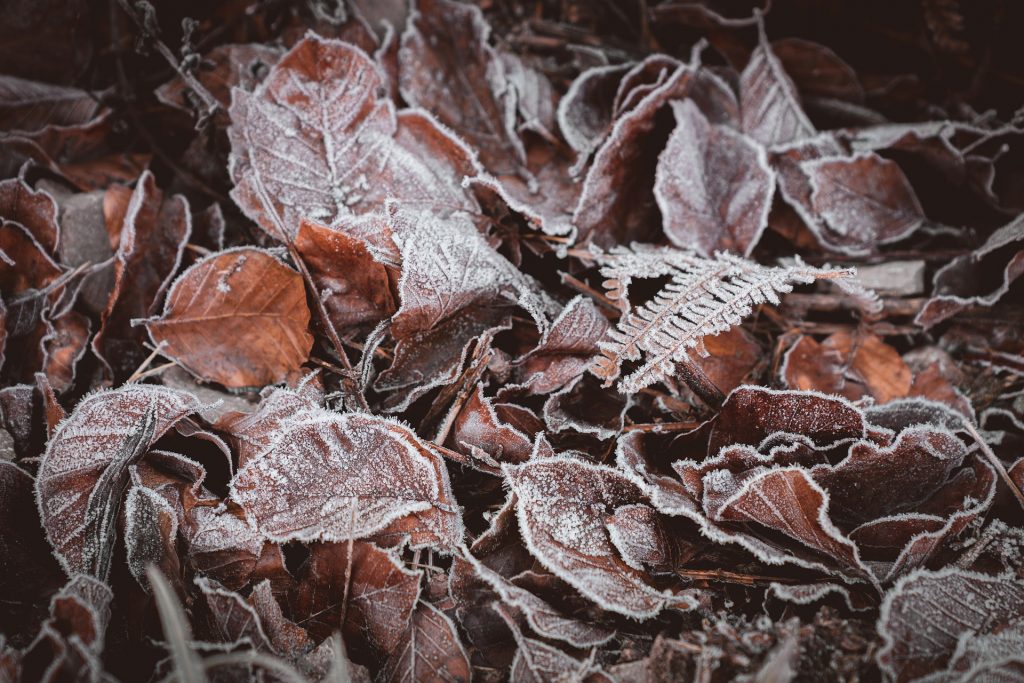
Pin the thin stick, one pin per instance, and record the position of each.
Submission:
(995, 462)
(141, 370)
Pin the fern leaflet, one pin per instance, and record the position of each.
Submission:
(704, 296)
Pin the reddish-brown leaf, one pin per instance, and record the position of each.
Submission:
(713, 185)
(238, 317)
(337, 477)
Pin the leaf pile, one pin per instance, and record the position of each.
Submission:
(515, 342)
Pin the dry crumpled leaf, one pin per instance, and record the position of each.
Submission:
(965, 281)
(84, 472)
(237, 317)
(713, 185)
(562, 508)
(337, 477)
(454, 287)
(300, 149)
(152, 242)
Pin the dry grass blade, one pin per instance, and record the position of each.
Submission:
(188, 667)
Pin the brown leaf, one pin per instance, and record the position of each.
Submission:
(447, 67)
(565, 349)
(616, 205)
(238, 317)
(817, 70)
(927, 614)
(149, 252)
(34, 210)
(538, 662)
(965, 281)
(355, 287)
(585, 112)
(864, 201)
(480, 433)
(317, 140)
(562, 506)
(713, 185)
(454, 287)
(85, 469)
(847, 364)
(338, 477)
(772, 113)
(429, 650)
(371, 588)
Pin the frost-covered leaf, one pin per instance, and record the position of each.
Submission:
(927, 617)
(542, 617)
(565, 349)
(713, 185)
(479, 431)
(337, 477)
(317, 139)
(231, 619)
(447, 67)
(150, 534)
(771, 109)
(863, 200)
(616, 205)
(353, 286)
(562, 507)
(238, 317)
(965, 281)
(371, 587)
(538, 662)
(585, 110)
(254, 432)
(34, 210)
(703, 297)
(454, 287)
(84, 472)
(430, 650)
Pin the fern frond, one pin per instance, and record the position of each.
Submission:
(704, 296)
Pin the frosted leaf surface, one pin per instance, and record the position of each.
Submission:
(565, 349)
(254, 432)
(447, 67)
(317, 139)
(479, 431)
(789, 501)
(704, 297)
(430, 650)
(83, 474)
(232, 620)
(337, 477)
(562, 507)
(150, 534)
(713, 185)
(542, 617)
(585, 111)
(771, 109)
(237, 317)
(864, 201)
(454, 287)
(538, 662)
(926, 614)
(617, 183)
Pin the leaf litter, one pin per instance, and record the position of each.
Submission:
(504, 342)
